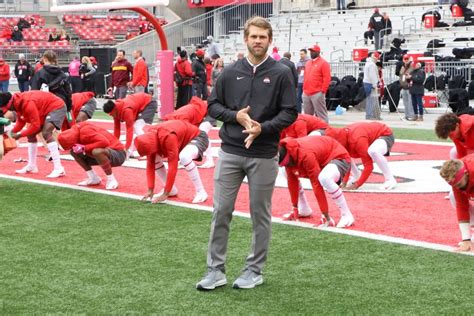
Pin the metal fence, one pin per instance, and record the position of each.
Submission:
(10, 54)
(461, 68)
(218, 23)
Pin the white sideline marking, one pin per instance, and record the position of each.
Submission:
(396, 240)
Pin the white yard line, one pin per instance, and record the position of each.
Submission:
(396, 240)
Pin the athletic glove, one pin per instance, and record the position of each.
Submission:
(78, 149)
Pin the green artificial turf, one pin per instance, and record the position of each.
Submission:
(69, 252)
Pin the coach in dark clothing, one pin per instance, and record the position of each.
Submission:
(417, 90)
(200, 75)
(255, 99)
(23, 73)
(286, 60)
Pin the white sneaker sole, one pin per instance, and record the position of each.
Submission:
(59, 175)
(213, 286)
(250, 286)
(20, 171)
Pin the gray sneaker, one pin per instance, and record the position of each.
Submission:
(248, 280)
(213, 279)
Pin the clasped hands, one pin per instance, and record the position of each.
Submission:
(251, 127)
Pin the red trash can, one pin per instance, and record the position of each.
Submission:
(430, 100)
(415, 54)
(429, 21)
(429, 63)
(456, 11)
(359, 53)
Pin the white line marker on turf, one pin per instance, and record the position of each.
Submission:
(372, 236)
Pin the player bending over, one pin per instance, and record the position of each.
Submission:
(175, 140)
(83, 106)
(44, 112)
(460, 175)
(325, 163)
(460, 130)
(370, 141)
(92, 145)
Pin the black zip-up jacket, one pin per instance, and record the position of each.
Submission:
(199, 70)
(271, 95)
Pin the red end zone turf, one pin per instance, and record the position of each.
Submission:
(424, 216)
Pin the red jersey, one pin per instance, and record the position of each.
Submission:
(183, 66)
(357, 138)
(78, 101)
(311, 154)
(32, 107)
(165, 140)
(89, 135)
(193, 113)
(140, 73)
(303, 125)
(466, 140)
(127, 110)
(462, 197)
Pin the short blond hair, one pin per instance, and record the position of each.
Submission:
(450, 168)
(259, 22)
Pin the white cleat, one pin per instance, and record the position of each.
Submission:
(208, 164)
(346, 221)
(200, 197)
(390, 185)
(326, 223)
(174, 191)
(305, 211)
(111, 184)
(56, 173)
(90, 182)
(27, 169)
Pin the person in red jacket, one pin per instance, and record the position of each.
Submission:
(83, 106)
(92, 145)
(43, 112)
(460, 175)
(324, 162)
(370, 141)
(305, 125)
(136, 111)
(6, 33)
(460, 129)
(196, 113)
(140, 73)
(121, 72)
(185, 88)
(4, 75)
(174, 140)
(317, 77)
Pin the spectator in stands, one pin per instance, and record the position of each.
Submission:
(371, 80)
(144, 25)
(87, 71)
(6, 33)
(275, 55)
(121, 73)
(200, 75)
(63, 36)
(140, 73)
(300, 70)
(129, 35)
(369, 34)
(286, 60)
(417, 90)
(23, 73)
(376, 23)
(51, 78)
(341, 6)
(76, 82)
(54, 38)
(23, 24)
(17, 35)
(185, 88)
(316, 83)
(33, 23)
(216, 72)
(406, 69)
(4, 75)
(212, 48)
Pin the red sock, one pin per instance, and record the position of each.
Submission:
(107, 167)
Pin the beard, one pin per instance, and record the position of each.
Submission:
(258, 51)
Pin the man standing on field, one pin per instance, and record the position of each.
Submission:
(255, 98)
